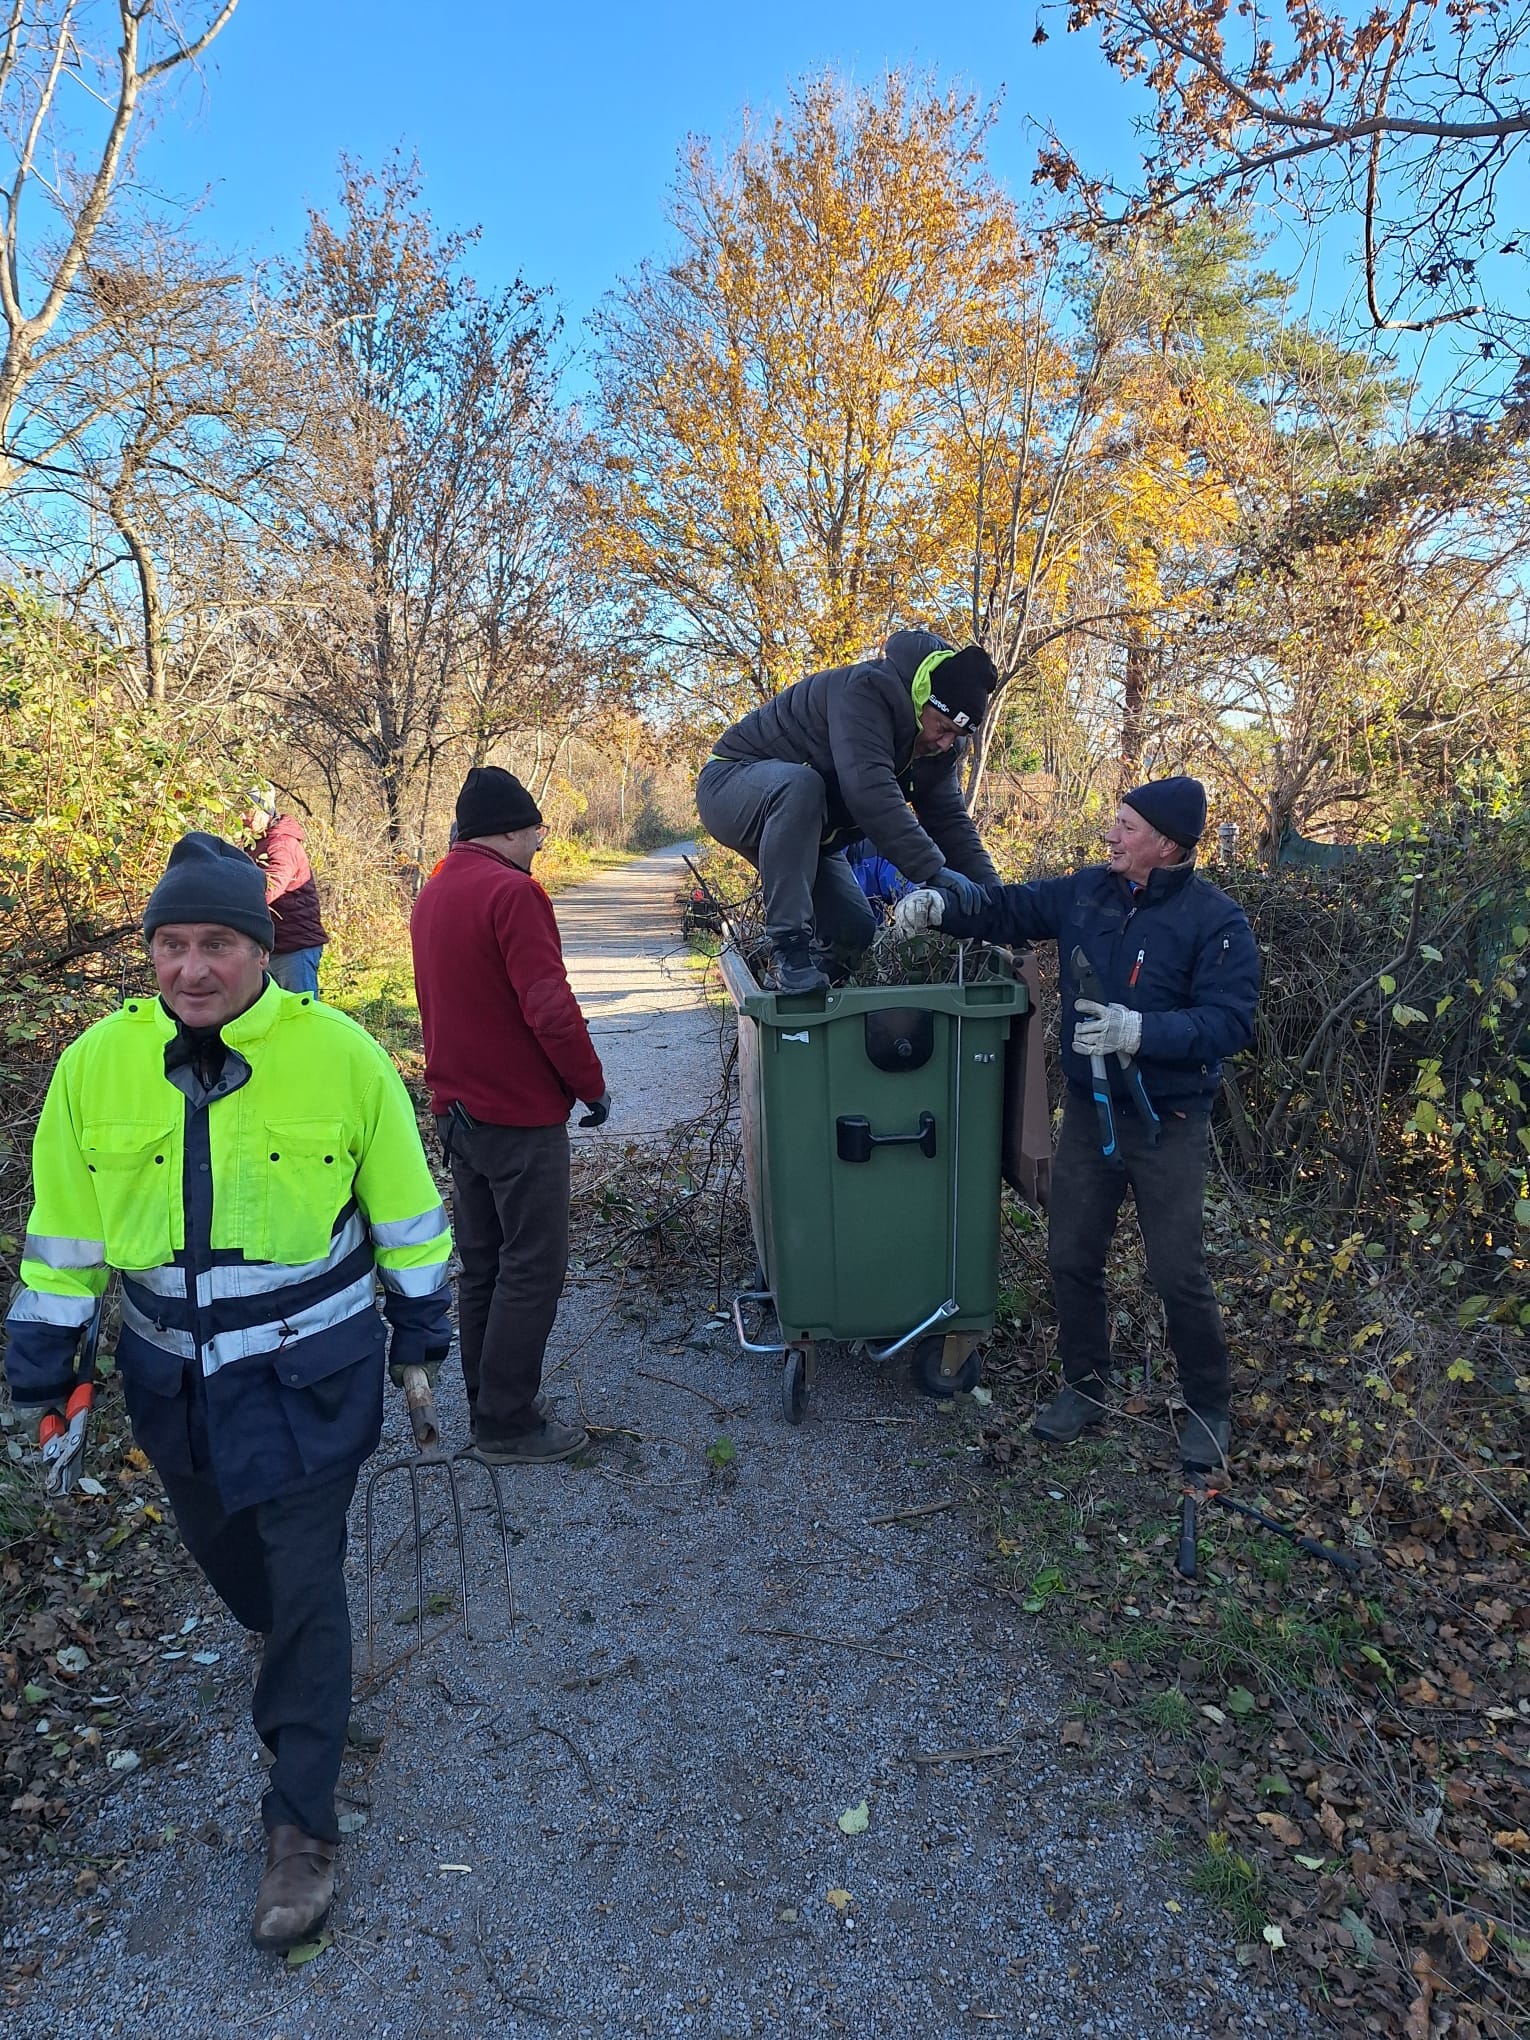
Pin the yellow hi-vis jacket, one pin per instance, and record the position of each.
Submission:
(252, 1222)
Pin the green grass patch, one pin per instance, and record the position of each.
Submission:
(1232, 1882)
(1169, 1711)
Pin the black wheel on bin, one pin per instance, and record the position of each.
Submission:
(794, 1387)
(928, 1376)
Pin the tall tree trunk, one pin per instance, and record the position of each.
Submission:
(151, 602)
(1134, 709)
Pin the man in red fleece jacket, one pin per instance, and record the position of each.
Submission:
(507, 1054)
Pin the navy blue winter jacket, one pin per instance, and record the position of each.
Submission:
(1178, 950)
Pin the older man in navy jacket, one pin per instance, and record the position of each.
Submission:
(1175, 960)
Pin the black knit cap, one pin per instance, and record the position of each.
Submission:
(493, 802)
(1176, 808)
(209, 880)
(960, 686)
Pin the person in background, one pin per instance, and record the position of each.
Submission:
(250, 1161)
(1175, 959)
(291, 893)
(507, 1055)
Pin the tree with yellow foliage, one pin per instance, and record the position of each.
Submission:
(772, 393)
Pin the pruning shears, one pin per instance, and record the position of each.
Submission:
(62, 1439)
(1087, 979)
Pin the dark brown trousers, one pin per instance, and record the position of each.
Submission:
(510, 1216)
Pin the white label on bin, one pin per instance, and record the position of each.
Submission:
(985, 1058)
(805, 1035)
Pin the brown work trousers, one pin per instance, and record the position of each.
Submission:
(510, 1218)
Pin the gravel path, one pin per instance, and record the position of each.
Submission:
(620, 1814)
(638, 985)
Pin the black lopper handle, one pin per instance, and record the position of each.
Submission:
(1184, 1565)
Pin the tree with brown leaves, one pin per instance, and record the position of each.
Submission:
(1408, 119)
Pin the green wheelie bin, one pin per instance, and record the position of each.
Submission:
(872, 1125)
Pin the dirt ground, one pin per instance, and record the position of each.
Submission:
(759, 1748)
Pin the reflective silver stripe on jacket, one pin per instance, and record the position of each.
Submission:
(181, 1344)
(410, 1232)
(37, 1307)
(414, 1281)
(167, 1281)
(299, 1324)
(60, 1250)
(261, 1278)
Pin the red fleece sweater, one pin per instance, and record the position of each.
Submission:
(504, 1036)
(291, 893)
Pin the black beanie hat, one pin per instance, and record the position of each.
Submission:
(960, 686)
(493, 802)
(209, 880)
(1175, 807)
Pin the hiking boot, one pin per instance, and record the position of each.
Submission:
(542, 1445)
(540, 1405)
(1076, 1408)
(296, 1891)
(1203, 1443)
(792, 969)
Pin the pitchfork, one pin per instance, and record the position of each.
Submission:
(427, 1437)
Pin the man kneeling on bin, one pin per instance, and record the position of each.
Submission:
(249, 1159)
(1159, 977)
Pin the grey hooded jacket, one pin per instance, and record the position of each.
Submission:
(856, 726)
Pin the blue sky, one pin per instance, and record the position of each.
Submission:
(555, 128)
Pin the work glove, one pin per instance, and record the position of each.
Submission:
(1112, 1030)
(596, 1110)
(429, 1362)
(969, 895)
(916, 912)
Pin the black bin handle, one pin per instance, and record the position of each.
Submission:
(855, 1141)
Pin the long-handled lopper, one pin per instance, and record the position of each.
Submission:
(62, 1439)
(1087, 978)
(1197, 1492)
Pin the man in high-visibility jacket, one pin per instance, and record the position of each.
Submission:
(249, 1160)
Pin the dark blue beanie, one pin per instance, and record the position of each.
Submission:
(1175, 807)
(209, 880)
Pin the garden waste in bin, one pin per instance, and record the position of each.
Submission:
(872, 1125)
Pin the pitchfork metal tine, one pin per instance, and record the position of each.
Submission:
(451, 1488)
(422, 1417)
(504, 1536)
(419, 1551)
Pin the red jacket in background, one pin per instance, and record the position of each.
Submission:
(504, 1036)
(291, 893)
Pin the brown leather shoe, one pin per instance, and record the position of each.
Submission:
(296, 1891)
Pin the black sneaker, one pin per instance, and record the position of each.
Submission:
(1075, 1409)
(1203, 1443)
(793, 970)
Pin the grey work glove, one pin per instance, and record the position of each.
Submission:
(1113, 1030)
(596, 1110)
(970, 896)
(918, 911)
(429, 1365)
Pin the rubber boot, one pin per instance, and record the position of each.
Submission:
(1203, 1443)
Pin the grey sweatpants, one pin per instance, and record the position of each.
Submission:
(773, 814)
